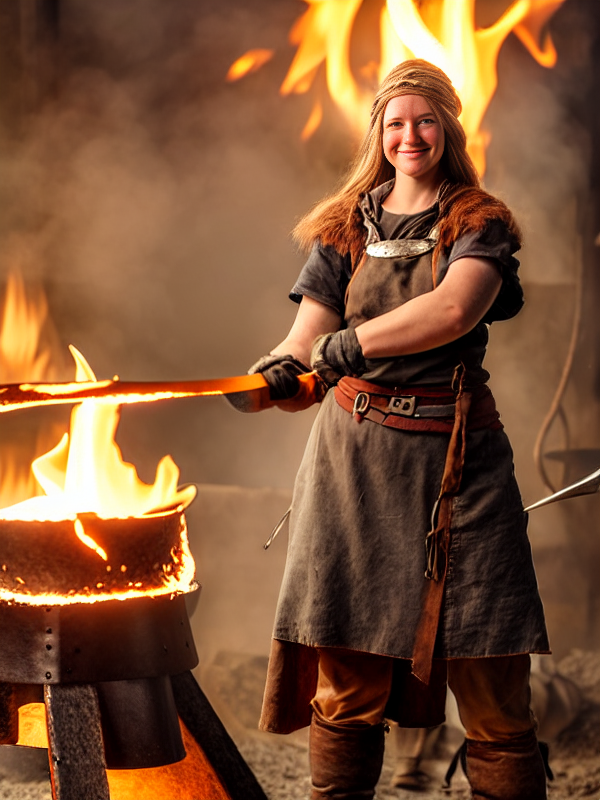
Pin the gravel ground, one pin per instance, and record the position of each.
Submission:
(281, 763)
(282, 770)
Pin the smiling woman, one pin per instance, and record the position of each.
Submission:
(408, 559)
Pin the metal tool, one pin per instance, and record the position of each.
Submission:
(588, 485)
(276, 529)
(245, 392)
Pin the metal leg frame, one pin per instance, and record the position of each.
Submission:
(200, 719)
(76, 752)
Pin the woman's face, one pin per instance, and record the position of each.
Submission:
(413, 138)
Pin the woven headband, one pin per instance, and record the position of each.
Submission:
(436, 87)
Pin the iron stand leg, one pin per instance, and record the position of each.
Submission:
(76, 752)
(202, 722)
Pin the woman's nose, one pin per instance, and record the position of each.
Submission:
(411, 133)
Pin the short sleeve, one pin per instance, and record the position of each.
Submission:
(324, 277)
(496, 243)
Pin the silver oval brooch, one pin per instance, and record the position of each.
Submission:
(400, 248)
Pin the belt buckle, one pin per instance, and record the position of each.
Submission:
(402, 406)
(361, 405)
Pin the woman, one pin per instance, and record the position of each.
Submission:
(408, 557)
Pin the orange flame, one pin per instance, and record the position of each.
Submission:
(23, 355)
(313, 122)
(85, 472)
(468, 56)
(28, 352)
(533, 33)
(440, 31)
(249, 62)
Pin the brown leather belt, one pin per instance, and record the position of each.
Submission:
(420, 408)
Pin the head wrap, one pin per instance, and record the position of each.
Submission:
(420, 77)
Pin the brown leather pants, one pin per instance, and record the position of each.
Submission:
(492, 693)
(493, 696)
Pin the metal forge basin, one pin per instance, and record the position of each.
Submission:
(92, 559)
(114, 674)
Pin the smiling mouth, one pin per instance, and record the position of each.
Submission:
(413, 152)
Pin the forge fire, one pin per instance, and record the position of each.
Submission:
(97, 532)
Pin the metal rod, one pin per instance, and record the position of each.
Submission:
(26, 395)
(588, 485)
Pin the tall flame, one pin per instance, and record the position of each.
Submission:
(440, 31)
(28, 352)
(23, 355)
(85, 472)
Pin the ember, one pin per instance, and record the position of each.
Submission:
(94, 559)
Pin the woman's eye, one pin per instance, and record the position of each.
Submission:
(428, 121)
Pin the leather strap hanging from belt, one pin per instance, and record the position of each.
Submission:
(429, 409)
(437, 541)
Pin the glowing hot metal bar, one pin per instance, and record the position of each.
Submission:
(245, 392)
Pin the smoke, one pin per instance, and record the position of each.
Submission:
(542, 162)
(157, 200)
(540, 157)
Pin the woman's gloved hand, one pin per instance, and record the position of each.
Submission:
(281, 373)
(335, 355)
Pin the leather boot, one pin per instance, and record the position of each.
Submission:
(511, 770)
(345, 760)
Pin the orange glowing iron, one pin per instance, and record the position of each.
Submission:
(245, 392)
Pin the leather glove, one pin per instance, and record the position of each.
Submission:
(335, 355)
(281, 373)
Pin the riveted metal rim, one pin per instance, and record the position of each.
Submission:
(86, 643)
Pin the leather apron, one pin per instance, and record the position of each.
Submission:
(391, 273)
